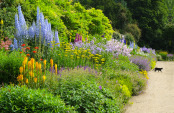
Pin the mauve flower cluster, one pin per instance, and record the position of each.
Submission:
(148, 50)
(5, 44)
(118, 48)
(41, 27)
(142, 62)
(133, 45)
(113, 46)
(169, 55)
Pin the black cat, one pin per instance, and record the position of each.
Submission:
(158, 69)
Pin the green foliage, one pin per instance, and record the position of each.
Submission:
(80, 89)
(129, 38)
(163, 54)
(151, 16)
(116, 35)
(120, 63)
(21, 99)
(9, 66)
(134, 30)
(66, 17)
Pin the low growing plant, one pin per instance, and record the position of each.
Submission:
(81, 89)
(9, 66)
(22, 100)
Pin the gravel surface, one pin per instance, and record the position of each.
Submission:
(159, 94)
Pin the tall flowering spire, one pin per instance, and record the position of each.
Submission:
(39, 29)
(57, 38)
(38, 23)
(15, 44)
(18, 29)
(22, 23)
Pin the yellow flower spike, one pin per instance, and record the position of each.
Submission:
(21, 70)
(37, 66)
(35, 80)
(40, 66)
(44, 62)
(78, 57)
(102, 62)
(43, 77)
(20, 77)
(56, 68)
(2, 22)
(26, 81)
(29, 64)
(32, 63)
(51, 62)
(31, 74)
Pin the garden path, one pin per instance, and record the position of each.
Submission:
(159, 94)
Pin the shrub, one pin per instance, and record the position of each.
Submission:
(159, 57)
(129, 38)
(142, 62)
(120, 63)
(163, 54)
(79, 89)
(22, 99)
(9, 66)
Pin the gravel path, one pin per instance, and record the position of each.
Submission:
(159, 94)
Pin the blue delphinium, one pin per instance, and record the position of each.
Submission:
(22, 23)
(57, 39)
(18, 29)
(11, 47)
(31, 32)
(38, 23)
(15, 44)
(41, 29)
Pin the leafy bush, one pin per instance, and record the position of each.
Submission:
(159, 57)
(66, 17)
(22, 99)
(120, 63)
(129, 38)
(80, 89)
(163, 54)
(142, 62)
(9, 66)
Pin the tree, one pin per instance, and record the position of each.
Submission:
(151, 16)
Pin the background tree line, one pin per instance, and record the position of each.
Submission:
(150, 22)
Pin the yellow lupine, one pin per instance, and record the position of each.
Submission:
(40, 66)
(32, 63)
(20, 77)
(44, 77)
(31, 74)
(35, 80)
(26, 81)
(37, 66)
(51, 62)
(56, 68)
(21, 70)
(29, 64)
(44, 64)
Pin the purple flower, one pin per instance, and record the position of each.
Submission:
(57, 38)
(15, 44)
(100, 87)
